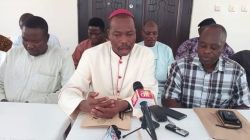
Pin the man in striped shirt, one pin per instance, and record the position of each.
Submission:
(207, 79)
(189, 47)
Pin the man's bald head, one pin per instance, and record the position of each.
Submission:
(150, 23)
(216, 31)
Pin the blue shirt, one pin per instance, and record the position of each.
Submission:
(163, 59)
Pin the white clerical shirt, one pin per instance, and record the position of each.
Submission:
(103, 71)
(26, 78)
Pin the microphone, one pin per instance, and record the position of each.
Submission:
(141, 95)
(141, 98)
(148, 119)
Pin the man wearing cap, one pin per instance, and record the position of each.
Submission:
(189, 47)
(102, 83)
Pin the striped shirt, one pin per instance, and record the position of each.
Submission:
(189, 48)
(190, 84)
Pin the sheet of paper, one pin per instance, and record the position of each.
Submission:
(90, 121)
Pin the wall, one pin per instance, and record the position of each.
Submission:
(236, 23)
(61, 16)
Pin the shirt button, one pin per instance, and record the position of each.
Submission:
(120, 61)
(118, 91)
(119, 77)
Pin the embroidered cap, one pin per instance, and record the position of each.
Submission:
(120, 11)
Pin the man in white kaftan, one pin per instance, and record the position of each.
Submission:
(34, 72)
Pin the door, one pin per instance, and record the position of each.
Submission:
(172, 16)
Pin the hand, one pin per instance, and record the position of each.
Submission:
(110, 111)
(171, 103)
(91, 102)
(242, 106)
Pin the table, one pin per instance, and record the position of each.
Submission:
(245, 113)
(30, 121)
(191, 124)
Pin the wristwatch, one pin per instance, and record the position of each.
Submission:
(128, 109)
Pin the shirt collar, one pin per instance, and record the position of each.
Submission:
(31, 57)
(154, 48)
(219, 66)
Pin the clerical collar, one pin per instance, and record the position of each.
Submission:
(115, 86)
(117, 57)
